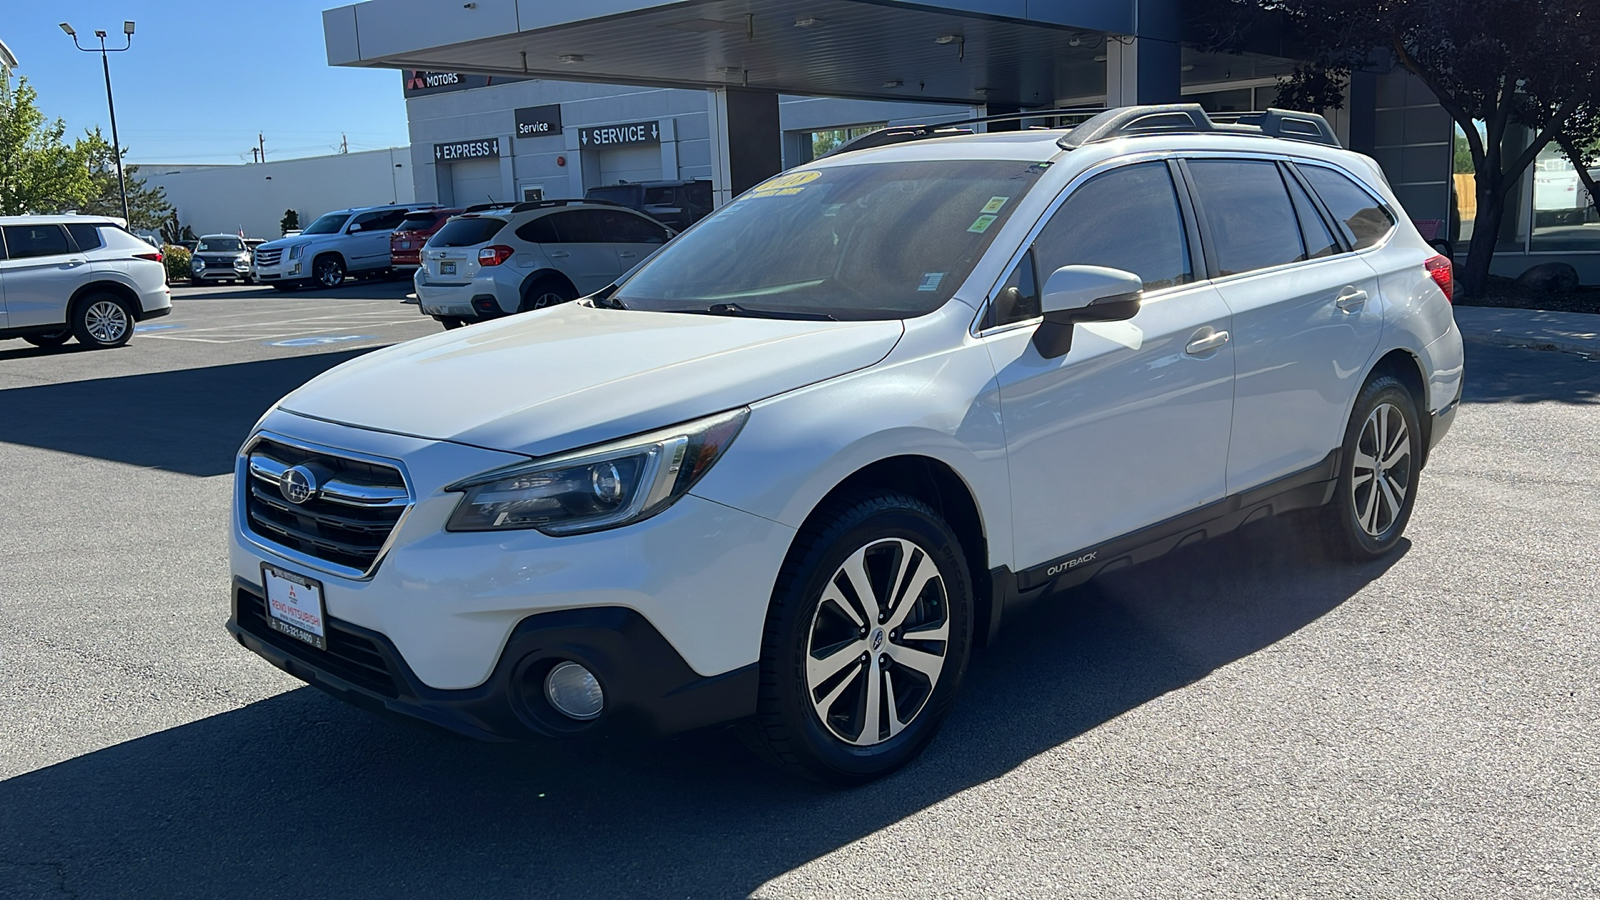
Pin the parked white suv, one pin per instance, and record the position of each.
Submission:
(498, 261)
(796, 465)
(77, 276)
(337, 245)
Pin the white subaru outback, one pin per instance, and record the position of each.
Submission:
(792, 469)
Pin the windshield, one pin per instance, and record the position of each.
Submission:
(328, 224)
(221, 245)
(866, 241)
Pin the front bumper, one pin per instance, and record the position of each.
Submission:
(219, 274)
(648, 687)
(287, 270)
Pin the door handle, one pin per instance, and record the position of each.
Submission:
(559, 254)
(626, 254)
(1351, 299)
(74, 263)
(1206, 343)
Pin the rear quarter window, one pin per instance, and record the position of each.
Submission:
(87, 234)
(466, 232)
(1363, 218)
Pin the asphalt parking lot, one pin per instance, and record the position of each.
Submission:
(1236, 720)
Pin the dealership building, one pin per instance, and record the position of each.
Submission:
(514, 99)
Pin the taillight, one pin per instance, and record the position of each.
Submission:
(1440, 269)
(494, 255)
(153, 257)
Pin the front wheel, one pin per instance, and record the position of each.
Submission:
(328, 271)
(101, 321)
(866, 641)
(1378, 470)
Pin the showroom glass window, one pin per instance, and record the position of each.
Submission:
(1247, 214)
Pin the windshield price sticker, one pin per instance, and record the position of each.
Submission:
(995, 204)
(930, 281)
(785, 185)
(981, 224)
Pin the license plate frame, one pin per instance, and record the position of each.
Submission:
(304, 612)
(447, 267)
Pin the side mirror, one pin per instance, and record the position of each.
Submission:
(353, 229)
(1074, 294)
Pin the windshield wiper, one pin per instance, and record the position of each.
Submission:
(606, 298)
(734, 309)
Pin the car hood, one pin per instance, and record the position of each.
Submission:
(574, 375)
(286, 243)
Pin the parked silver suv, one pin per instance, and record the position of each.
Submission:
(77, 276)
(337, 245)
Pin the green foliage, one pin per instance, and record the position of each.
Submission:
(177, 261)
(289, 222)
(1463, 157)
(147, 207)
(39, 172)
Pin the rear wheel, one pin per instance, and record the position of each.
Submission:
(1378, 471)
(544, 293)
(53, 339)
(101, 321)
(866, 641)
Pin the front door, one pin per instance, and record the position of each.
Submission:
(583, 253)
(1130, 427)
(41, 270)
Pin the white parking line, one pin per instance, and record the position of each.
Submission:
(281, 329)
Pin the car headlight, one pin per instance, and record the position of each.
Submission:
(242, 261)
(598, 487)
(296, 251)
(197, 263)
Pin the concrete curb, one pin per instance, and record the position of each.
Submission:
(1532, 328)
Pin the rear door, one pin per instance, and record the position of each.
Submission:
(1306, 319)
(583, 251)
(368, 248)
(42, 270)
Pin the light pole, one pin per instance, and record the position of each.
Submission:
(116, 146)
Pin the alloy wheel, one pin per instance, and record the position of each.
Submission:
(330, 273)
(878, 641)
(546, 299)
(107, 321)
(1383, 470)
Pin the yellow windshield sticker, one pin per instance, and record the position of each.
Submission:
(981, 224)
(995, 204)
(786, 185)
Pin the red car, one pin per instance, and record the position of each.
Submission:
(405, 243)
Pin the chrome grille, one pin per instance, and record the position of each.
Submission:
(345, 524)
(269, 257)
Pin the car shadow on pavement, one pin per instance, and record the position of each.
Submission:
(301, 795)
(1522, 375)
(391, 288)
(187, 420)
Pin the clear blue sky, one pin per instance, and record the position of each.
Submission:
(202, 79)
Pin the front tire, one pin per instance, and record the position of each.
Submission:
(328, 271)
(101, 321)
(1378, 473)
(866, 641)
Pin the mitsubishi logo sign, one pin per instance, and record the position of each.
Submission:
(620, 135)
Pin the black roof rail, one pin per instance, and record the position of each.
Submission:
(1190, 118)
(527, 205)
(482, 207)
(899, 134)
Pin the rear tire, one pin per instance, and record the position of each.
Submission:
(53, 339)
(545, 293)
(1378, 470)
(854, 684)
(101, 321)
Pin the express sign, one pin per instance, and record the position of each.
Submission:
(487, 148)
(620, 135)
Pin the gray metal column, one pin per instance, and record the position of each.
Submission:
(746, 140)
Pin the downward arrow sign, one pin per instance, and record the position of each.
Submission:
(585, 136)
(655, 130)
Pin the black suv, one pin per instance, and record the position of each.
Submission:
(675, 204)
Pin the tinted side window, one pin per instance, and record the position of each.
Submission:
(1018, 299)
(540, 231)
(624, 228)
(582, 226)
(86, 234)
(1246, 210)
(658, 196)
(28, 241)
(1126, 219)
(1313, 230)
(1362, 217)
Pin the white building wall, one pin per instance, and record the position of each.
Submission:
(224, 199)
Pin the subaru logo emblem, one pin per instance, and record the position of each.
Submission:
(877, 640)
(298, 484)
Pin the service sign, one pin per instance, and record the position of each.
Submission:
(537, 121)
(620, 135)
(484, 148)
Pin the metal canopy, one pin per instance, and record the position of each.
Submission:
(839, 48)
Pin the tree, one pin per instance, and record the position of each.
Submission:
(289, 222)
(39, 172)
(147, 207)
(1515, 75)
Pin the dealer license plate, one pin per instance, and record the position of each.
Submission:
(405, 245)
(447, 268)
(294, 606)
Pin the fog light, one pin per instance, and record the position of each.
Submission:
(574, 691)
